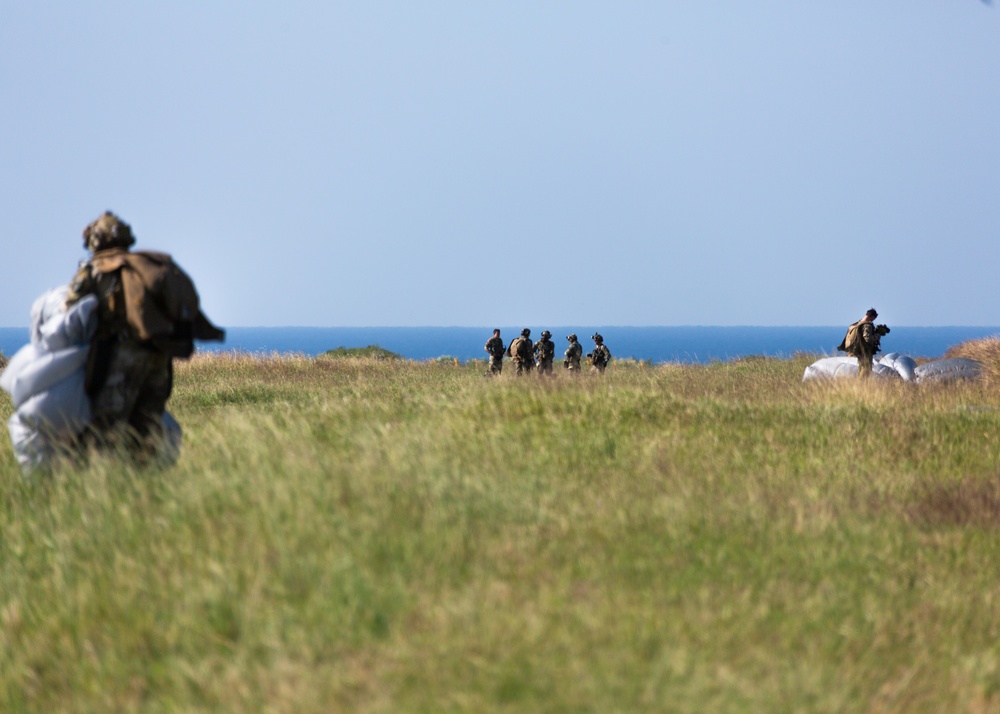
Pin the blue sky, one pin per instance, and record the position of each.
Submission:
(374, 163)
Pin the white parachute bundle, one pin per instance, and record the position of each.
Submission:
(948, 370)
(903, 364)
(896, 366)
(844, 367)
(45, 380)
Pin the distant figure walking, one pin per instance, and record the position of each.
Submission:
(574, 354)
(863, 340)
(521, 351)
(494, 346)
(545, 350)
(601, 355)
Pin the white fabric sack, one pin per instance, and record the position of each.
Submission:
(945, 370)
(75, 326)
(60, 340)
(32, 371)
(901, 363)
(46, 382)
(45, 379)
(842, 368)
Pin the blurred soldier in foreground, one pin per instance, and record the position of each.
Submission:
(863, 340)
(601, 355)
(148, 314)
(574, 354)
(522, 352)
(545, 349)
(494, 346)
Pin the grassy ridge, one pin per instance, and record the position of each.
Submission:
(359, 535)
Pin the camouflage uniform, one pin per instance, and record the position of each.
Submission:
(866, 348)
(494, 346)
(545, 350)
(866, 342)
(128, 381)
(574, 354)
(520, 351)
(601, 355)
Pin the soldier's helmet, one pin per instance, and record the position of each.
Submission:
(108, 231)
(571, 338)
(525, 332)
(871, 313)
(597, 338)
(546, 334)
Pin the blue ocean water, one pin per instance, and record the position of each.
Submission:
(656, 344)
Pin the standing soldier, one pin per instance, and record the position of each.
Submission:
(601, 355)
(545, 349)
(521, 352)
(863, 340)
(147, 315)
(574, 354)
(494, 346)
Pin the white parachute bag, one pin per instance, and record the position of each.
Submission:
(45, 380)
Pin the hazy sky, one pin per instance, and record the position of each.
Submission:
(776, 162)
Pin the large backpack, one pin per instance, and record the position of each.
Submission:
(520, 349)
(850, 342)
(161, 302)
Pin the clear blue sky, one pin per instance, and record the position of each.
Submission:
(776, 162)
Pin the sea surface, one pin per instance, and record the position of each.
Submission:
(655, 344)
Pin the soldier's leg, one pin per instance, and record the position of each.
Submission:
(147, 413)
(114, 401)
(864, 363)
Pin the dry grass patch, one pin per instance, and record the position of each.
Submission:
(967, 503)
(986, 350)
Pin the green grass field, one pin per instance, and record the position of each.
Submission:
(361, 535)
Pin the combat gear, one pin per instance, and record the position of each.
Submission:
(494, 346)
(521, 352)
(574, 354)
(861, 335)
(148, 314)
(161, 303)
(863, 340)
(601, 355)
(546, 351)
(521, 349)
(108, 231)
(850, 342)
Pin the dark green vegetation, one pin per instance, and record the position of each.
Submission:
(372, 351)
(360, 535)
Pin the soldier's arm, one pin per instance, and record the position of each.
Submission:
(82, 284)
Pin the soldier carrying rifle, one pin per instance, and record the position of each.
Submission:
(863, 340)
(601, 355)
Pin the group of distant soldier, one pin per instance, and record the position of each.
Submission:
(526, 355)
(863, 341)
